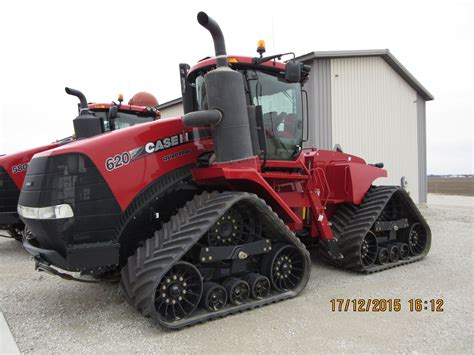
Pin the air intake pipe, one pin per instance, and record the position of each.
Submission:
(227, 114)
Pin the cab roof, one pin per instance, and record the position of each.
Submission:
(124, 107)
(238, 61)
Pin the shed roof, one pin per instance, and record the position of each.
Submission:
(170, 103)
(384, 53)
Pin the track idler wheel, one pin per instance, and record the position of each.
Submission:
(368, 249)
(404, 250)
(238, 290)
(394, 253)
(214, 296)
(383, 256)
(179, 292)
(416, 238)
(259, 285)
(284, 266)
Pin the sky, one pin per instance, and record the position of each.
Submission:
(104, 48)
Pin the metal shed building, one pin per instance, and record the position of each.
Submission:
(367, 102)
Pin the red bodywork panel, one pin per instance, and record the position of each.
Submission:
(16, 164)
(315, 182)
(128, 180)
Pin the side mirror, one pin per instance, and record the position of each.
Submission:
(183, 73)
(113, 112)
(293, 71)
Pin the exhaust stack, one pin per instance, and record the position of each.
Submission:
(217, 36)
(227, 114)
(79, 95)
(86, 124)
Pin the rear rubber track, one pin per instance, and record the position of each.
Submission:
(350, 223)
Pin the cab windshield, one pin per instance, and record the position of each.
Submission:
(124, 119)
(281, 108)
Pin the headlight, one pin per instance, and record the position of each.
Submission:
(52, 212)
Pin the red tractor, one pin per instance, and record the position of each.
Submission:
(108, 117)
(204, 215)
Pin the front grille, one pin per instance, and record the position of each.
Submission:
(70, 179)
(9, 192)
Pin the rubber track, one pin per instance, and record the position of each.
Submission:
(351, 223)
(152, 261)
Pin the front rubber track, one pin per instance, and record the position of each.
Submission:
(144, 269)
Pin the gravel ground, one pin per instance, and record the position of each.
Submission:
(47, 314)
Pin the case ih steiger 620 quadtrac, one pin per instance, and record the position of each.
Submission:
(205, 214)
(107, 117)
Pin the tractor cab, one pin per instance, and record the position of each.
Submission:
(94, 119)
(125, 116)
(277, 98)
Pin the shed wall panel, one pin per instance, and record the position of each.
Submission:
(319, 96)
(422, 172)
(374, 116)
(172, 111)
